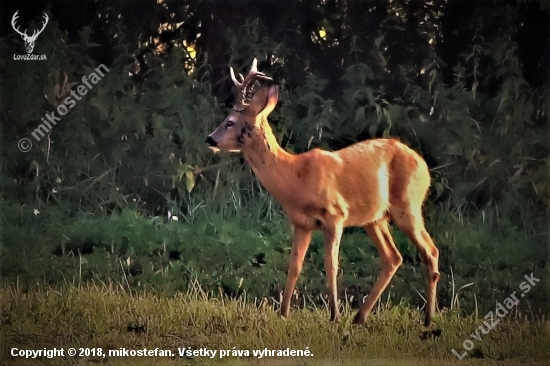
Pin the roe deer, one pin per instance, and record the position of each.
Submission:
(365, 184)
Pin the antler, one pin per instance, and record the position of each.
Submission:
(36, 33)
(15, 27)
(247, 85)
(24, 34)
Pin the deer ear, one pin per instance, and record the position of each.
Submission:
(265, 100)
(272, 99)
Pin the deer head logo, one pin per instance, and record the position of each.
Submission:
(29, 40)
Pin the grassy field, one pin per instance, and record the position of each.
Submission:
(110, 316)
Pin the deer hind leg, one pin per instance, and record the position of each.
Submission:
(409, 220)
(300, 243)
(391, 260)
(333, 236)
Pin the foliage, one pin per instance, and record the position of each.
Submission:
(96, 197)
(234, 256)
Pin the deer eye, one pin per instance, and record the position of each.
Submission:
(229, 123)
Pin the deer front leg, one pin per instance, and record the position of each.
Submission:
(300, 243)
(333, 236)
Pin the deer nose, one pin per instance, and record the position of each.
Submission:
(211, 142)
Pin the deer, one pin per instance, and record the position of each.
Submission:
(29, 40)
(368, 184)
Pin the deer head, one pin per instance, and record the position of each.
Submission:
(29, 40)
(254, 103)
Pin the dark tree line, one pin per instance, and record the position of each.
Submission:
(378, 55)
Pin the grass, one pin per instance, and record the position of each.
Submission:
(111, 316)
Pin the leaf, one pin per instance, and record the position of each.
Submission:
(158, 122)
(187, 171)
(433, 76)
(360, 115)
(363, 253)
(438, 188)
(378, 41)
(99, 104)
(189, 180)
(372, 129)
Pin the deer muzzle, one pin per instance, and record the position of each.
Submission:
(211, 142)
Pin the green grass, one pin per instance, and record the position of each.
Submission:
(129, 290)
(111, 316)
(249, 252)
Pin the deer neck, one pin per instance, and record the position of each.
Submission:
(271, 164)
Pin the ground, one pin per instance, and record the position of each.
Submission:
(111, 316)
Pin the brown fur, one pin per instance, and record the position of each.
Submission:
(365, 184)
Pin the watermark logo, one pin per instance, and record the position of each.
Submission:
(501, 311)
(29, 40)
(50, 120)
